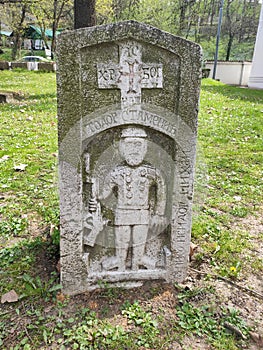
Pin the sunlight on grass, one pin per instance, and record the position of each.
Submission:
(230, 135)
(29, 137)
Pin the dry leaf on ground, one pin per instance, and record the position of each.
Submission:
(9, 297)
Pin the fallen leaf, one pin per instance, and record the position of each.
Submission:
(193, 248)
(60, 297)
(257, 338)
(20, 167)
(93, 305)
(10, 297)
(5, 157)
(48, 309)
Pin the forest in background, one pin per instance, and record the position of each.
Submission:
(195, 20)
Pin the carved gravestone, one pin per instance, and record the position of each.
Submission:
(127, 105)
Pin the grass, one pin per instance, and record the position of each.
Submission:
(228, 191)
(230, 136)
(28, 137)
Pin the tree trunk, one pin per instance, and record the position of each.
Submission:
(1, 43)
(85, 14)
(57, 13)
(229, 46)
(16, 45)
(197, 30)
(43, 34)
(183, 8)
(54, 29)
(17, 35)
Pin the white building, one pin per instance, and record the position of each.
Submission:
(256, 75)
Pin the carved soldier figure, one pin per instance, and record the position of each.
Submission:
(141, 199)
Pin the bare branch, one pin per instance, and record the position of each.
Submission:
(2, 2)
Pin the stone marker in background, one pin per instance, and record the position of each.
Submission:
(127, 104)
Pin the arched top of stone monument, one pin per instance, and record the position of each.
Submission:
(120, 65)
(79, 38)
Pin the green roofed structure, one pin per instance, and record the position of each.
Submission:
(34, 32)
(36, 38)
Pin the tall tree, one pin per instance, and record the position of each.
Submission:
(18, 32)
(84, 13)
(49, 15)
(14, 15)
(239, 21)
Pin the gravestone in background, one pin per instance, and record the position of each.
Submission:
(127, 104)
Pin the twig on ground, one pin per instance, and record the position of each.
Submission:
(28, 335)
(4, 313)
(235, 330)
(245, 289)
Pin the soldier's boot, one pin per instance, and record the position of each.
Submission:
(137, 254)
(121, 255)
(139, 237)
(122, 239)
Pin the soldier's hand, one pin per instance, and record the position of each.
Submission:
(158, 223)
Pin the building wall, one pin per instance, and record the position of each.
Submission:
(232, 73)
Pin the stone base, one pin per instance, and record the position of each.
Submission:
(124, 279)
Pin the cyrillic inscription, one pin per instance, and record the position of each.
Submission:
(152, 76)
(130, 116)
(130, 75)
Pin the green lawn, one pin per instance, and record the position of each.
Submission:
(230, 137)
(228, 197)
(29, 136)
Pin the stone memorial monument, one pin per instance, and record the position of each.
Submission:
(127, 105)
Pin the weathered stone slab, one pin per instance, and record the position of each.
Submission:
(127, 105)
(22, 65)
(6, 97)
(9, 96)
(46, 66)
(32, 66)
(4, 65)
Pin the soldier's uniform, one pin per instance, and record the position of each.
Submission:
(133, 185)
(136, 183)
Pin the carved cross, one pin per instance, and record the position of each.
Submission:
(130, 75)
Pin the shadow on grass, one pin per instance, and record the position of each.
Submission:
(19, 100)
(232, 92)
(39, 258)
(41, 96)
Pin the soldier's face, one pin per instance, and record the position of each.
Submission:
(133, 150)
